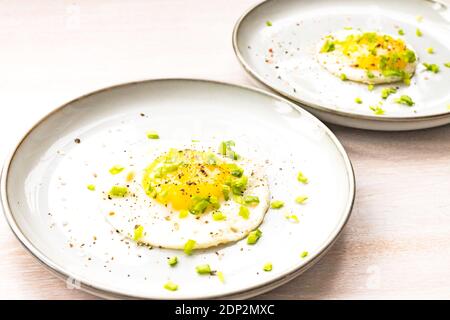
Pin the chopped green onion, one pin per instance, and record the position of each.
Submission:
(358, 100)
(226, 192)
(268, 23)
(292, 217)
(386, 92)
(171, 286)
(254, 236)
(370, 87)
(91, 187)
(267, 267)
(301, 178)
(152, 135)
(225, 150)
(183, 214)
(301, 199)
(189, 246)
(343, 77)
(328, 47)
(218, 216)
(118, 191)
(432, 67)
(370, 75)
(406, 100)
(116, 169)
(244, 212)
(277, 204)
(172, 261)
(447, 64)
(220, 276)
(304, 254)
(418, 32)
(239, 185)
(251, 200)
(138, 232)
(430, 50)
(377, 110)
(203, 269)
(401, 32)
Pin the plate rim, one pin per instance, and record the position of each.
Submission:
(250, 71)
(103, 291)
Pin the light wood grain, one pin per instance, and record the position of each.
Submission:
(397, 243)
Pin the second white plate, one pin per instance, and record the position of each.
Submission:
(276, 42)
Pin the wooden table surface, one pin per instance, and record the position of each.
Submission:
(397, 242)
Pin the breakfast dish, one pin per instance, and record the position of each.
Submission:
(205, 197)
(367, 57)
(178, 189)
(354, 64)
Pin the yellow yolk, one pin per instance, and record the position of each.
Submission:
(180, 178)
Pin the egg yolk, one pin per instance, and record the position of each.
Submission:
(190, 180)
(373, 52)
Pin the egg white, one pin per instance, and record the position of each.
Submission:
(337, 63)
(164, 228)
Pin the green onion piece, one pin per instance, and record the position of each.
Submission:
(91, 187)
(447, 64)
(172, 261)
(358, 100)
(203, 269)
(214, 202)
(343, 77)
(432, 67)
(244, 212)
(370, 75)
(370, 87)
(189, 246)
(152, 135)
(251, 200)
(277, 204)
(226, 190)
(239, 185)
(304, 254)
(218, 216)
(377, 110)
(267, 267)
(268, 23)
(118, 191)
(254, 236)
(225, 150)
(292, 217)
(220, 276)
(328, 47)
(199, 207)
(183, 214)
(386, 92)
(301, 199)
(116, 169)
(430, 50)
(301, 178)
(235, 170)
(401, 32)
(406, 100)
(138, 232)
(171, 286)
(419, 32)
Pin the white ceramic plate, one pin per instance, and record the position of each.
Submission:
(291, 68)
(53, 214)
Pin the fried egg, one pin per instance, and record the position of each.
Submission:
(183, 195)
(367, 57)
